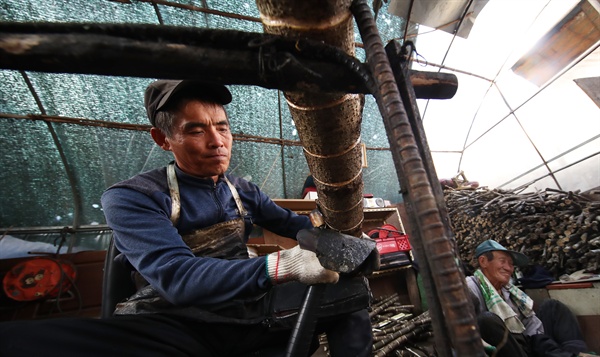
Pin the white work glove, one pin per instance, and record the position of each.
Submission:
(298, 264)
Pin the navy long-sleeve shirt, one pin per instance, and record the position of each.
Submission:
(139, 209)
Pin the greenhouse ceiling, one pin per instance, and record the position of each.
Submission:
(70, 136)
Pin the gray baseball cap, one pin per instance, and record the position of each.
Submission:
(159, 93)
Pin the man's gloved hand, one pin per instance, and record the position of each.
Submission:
(298, 264)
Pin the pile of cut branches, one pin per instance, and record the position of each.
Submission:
(556, 229)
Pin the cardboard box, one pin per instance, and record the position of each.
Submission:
(297, 205)
(377, 217)
(311, 195)
(263, 249)
(284, 242)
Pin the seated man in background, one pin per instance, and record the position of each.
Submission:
(505, 313)
(183, 230)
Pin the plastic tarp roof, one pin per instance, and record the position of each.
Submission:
(499, 129)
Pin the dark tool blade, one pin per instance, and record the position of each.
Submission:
(336, 251)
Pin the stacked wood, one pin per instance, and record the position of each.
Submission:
(395, 326)
(396, 330)
(555, 229)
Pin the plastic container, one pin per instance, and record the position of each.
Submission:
(389, 239)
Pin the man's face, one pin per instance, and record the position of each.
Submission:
(201, 139)
(498, 270)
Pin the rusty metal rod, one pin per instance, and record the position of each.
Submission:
(399, 58)
(407, 159)
(438, 325)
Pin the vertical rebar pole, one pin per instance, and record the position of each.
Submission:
(448, 279)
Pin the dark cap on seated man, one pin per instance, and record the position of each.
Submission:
(159, 93)
(489, 245)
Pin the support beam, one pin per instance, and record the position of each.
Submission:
(225, 56)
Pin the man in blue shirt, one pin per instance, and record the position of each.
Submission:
(183, 231)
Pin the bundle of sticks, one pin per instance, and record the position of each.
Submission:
(556, 229)
(396, 330)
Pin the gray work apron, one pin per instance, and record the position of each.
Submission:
(223, 240)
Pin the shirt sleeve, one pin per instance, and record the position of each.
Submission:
(533, 325)
(475, 295)
(145, 235)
